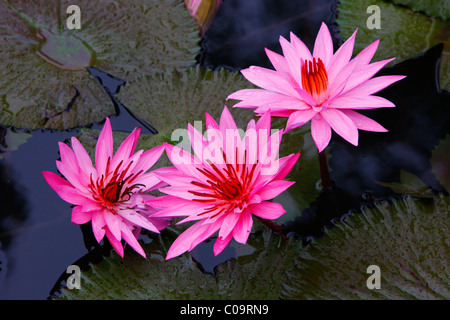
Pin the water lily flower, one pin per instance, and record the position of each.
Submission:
(110, 194)
(226, 181)
(323, 87)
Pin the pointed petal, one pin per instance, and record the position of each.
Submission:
(138, 220)
(126, 148)
(113, 223)
(228, 224)
(321, 132)
(116, 244)
(342, 124)
(360, 102)
(221, 244)
(104, 148)
(299, 118)
(274, 188)
(278, 61)
(83, 159)
(269, 80)
(132, 240)
(54, 180)
(286, 164)
(300, 48)
(363, 122)
(323, 46)
(267, 210)
(79, 216)
(373, 85)
(341, 58)
(149, 158)
(98, 222)
(243, 227)
(293, 59)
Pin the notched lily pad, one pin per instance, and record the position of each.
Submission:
(407, 239)
(409, 184)
(404, 33)
(45, 82)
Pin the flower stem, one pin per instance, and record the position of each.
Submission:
(275, 227)
(324, 171)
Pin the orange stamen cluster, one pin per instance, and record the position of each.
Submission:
(314, 77)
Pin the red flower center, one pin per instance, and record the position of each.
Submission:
(225, 189)
(114, 187)
(314, 77)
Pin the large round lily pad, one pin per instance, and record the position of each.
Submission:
(44, 80)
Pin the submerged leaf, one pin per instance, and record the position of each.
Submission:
(403, 33)
(407, 239)
(45, 82)
(409, 184)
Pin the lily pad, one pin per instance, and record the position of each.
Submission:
(433, 8)
(257, 275)
(404, 33)
(409, 184)
(440, 162)
(45, 82)
(406, 239)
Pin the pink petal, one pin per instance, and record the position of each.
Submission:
(54, 180)
(71, 195)
(321, 132)
(373, 85)
(98, 222)
(341, 58)
(363, 122)
(342, 124)
(278, 61)
(269, 80)
(126, 148)
(132, 240)
(113, 223)
(194, 234)
(286, 164)
(267, 210)
(228, 224)
(243, 227)
(149, 158)
(84, 160)
(300, 48)
(274, 188)
(79, 216)
(184, 161)
(221, 243)
(137, 219)
(293, 60)
(299, 118)
(185, 208)
(323, 46)
(116, 243)
(360, 102)
(361, 75)
(197, 140)
(104, 148)
(167, 201)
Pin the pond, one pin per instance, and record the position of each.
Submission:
(38, 241)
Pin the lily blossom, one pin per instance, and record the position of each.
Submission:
(324, 87)
(229, 179)
(110, 194)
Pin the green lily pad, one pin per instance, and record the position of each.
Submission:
(440, 162)
(11, 139)
(45, 82)
(404, 33)
(406, 239)
(409, 184)
(258, 274)
(433, 8)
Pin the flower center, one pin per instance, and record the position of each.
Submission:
(225, 189)
(314, 77)
(115, 187)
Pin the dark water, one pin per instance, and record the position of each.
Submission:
(38, 241)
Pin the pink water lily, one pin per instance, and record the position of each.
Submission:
(324, 87)
(110, 194)
(229, 179)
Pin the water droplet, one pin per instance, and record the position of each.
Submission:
(64, 51)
